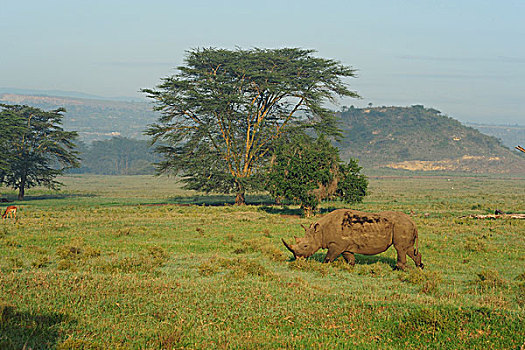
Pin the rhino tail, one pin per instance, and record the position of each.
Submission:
(416, 249)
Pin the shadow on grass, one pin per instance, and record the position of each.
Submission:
(265, 203)
(54, 196)
(359, 259)
(285, 210)
(24, 330)
(220, 200)
(281, 210)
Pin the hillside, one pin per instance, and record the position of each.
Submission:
(93, 119)
(418, 138)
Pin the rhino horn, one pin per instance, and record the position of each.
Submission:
(288, 247)
(305, 228)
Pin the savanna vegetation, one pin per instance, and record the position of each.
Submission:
(121, 262)
(136, 262)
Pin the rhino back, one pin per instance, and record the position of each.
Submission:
(361, 232)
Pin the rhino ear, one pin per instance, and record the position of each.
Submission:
(316, 226)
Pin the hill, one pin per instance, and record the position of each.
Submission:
(94, 119)
(419, 138)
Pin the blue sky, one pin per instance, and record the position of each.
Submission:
(464, 58)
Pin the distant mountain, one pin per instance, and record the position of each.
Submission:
(70, 94)
(510, 135)
(94, 119)
(418, 138)
(414, 138)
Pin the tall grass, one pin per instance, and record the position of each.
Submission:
(126, 262)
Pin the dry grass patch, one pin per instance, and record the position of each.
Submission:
(236, 267)
(428, 281)
(266, 246)
(377, 269)
(148, 261)
(488, 279)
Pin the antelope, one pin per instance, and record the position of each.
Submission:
(10, 210)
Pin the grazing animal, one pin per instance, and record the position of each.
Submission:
(346, 232)
(10, 210)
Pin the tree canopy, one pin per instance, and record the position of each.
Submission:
(38, 150)
(223, 110)
(11, 126)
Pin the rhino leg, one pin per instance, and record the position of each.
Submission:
(349, 257)
(401, 258)
(416, 256)
(333, 252)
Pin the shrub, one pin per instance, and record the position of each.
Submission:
(307, 170)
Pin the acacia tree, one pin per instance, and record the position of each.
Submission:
(40, 151)
(307, 170)
(11, 126)
(223, 110)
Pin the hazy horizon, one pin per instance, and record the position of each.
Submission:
(462, 58)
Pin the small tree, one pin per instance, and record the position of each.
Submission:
(40, 151)
(352, 185)
(224, 109)
(307, 170)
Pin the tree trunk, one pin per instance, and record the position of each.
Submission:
(21, 192)
(308, 211)
(239, 198)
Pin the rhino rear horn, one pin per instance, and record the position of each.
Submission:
(288, 247)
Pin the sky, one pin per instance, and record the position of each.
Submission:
(465, 58)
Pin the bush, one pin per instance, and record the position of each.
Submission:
(307, 170)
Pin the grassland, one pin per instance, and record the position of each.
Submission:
(137, 263)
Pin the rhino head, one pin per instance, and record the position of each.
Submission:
(304, 246)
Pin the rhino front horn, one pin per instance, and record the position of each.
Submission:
(288, 247)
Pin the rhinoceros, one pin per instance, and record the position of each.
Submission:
(346, 232)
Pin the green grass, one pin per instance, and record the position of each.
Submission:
(129, 263)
